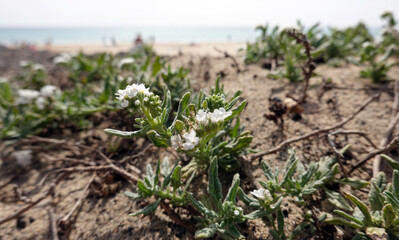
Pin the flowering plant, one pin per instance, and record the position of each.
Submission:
(198, 129)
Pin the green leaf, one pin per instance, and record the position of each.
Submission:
(362, 207)
(232, 193)
(148, 209)
(143, 188)
(236, 111)
(245, 198)
(375, 198)
(197, 204)
(166, 107)
(395, 183)
(388, 215)
(280, 221)
(354, 183)
(132, 195)
(257, 214)
(176, 177)
(182, 106)
(165, 167)
(125, 134)
(394, 164)
(337, 200)
(341, 221)
(157, 139)
(206, 232)
(345, 215)
(214, 186)
(230, 105)
(156, 66)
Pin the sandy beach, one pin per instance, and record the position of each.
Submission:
(166, 49)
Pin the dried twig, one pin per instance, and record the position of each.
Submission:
(392, 145)
(66, 218)
(53, 223)
(316, 132)
(377, 163)
(309, 67)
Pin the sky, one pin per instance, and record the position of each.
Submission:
(118, 13)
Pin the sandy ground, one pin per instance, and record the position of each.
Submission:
(167, 49)
(106, 216)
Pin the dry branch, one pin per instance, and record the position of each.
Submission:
(65, 219)
(377, 163)
(316, 132)
(392, 145)
(309, 67)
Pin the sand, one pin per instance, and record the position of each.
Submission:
(166, 49)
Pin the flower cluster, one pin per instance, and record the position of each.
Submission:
(124, 61)
(261, 193)
(26, 96)
(190, 141)
(216, 116)
(131, 92)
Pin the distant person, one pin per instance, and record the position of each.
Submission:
(138, 44)
(138, 41)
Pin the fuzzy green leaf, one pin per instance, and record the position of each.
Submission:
(176, 177)
(337, 200)
(232, 193)
(362, 207)
(388, 215)
(148, 209)
(214, 186)
(206, 232)
(354, 183)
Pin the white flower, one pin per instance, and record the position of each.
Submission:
(191, 140)
(63, 58)
(3, 79)
(27, 96)
(23, 157)
(145, 99)
(137, 102)
(131, 92)
(129, 79)
(216, 116)
(23, 63)
(219, 115)
(124, 61)
(120, 78)
(176, 141)
(261, 193)
(40, 102)
(124, 103)
(37, 67)
(48, 90)
(202, 116)
(236, 212)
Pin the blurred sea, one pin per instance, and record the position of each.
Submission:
(106, 35)
(66, 36)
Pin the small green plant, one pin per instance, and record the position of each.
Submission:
(171, 188)
(382, 218)
(376, 67)
(198, 129)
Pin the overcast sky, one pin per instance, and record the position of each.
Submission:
(71, 13)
